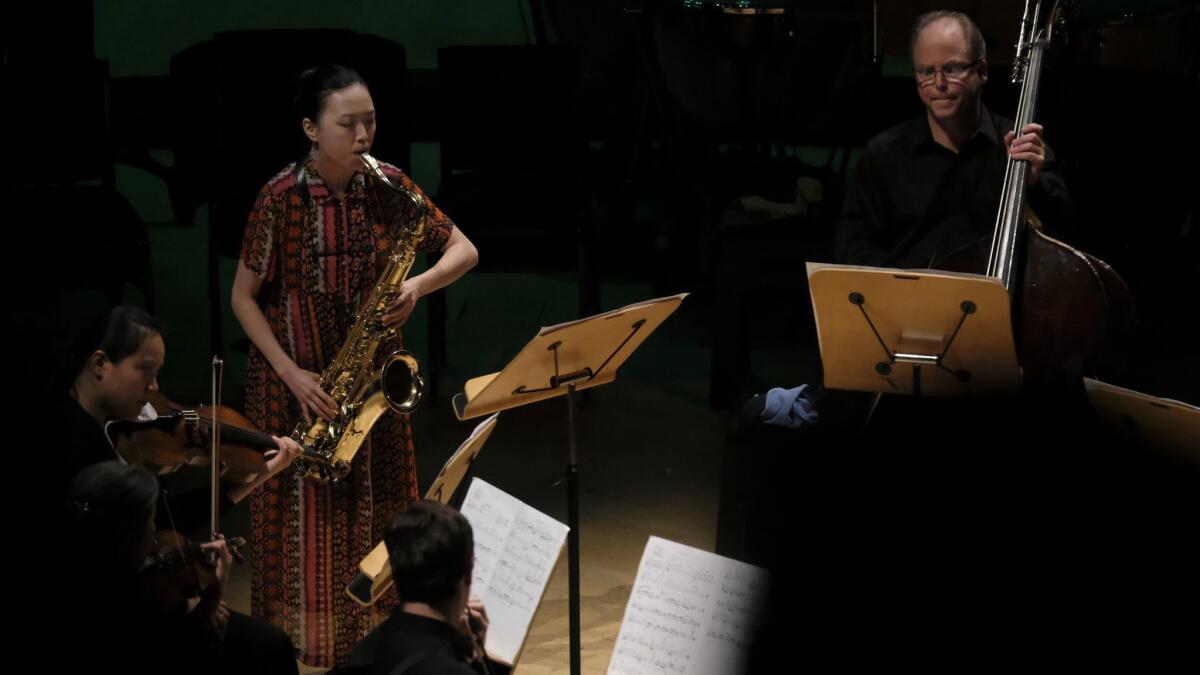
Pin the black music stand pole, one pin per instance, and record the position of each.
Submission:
(573, 534)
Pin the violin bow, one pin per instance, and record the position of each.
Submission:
(215, 460)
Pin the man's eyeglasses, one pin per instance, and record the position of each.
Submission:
(952, 71)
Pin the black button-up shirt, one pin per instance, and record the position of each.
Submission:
(913, 200)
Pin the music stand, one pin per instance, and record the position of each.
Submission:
(922, 333)
(374, 576)
(560, 360)
(1155, 422)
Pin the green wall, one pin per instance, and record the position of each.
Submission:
(138, 37)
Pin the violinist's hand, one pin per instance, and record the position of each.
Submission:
(402, 307)
(224, 558)
(211, 607)
(280, 458)
(474, 621)
(306, 387)
(219, 620)
(1029, 147)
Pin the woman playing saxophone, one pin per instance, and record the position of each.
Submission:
(313, 250)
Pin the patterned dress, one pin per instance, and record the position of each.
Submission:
(318, 256)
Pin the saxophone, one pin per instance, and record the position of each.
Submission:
(362, 391)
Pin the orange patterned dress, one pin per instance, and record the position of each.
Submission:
(318, 255)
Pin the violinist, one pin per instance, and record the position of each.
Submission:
(931, 185)
(115, 365)
(108, 533)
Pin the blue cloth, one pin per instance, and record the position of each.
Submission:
(788, 408)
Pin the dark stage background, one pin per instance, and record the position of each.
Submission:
(598, 153)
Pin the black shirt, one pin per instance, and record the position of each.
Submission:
(913, 200)
(413, 645)
(78, 442)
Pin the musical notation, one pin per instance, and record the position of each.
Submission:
(516, 548)
(690, 611)
(641, 654)
(490, 523)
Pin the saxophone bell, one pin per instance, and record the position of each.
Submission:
(403, 383)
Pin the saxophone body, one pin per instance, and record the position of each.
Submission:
(363, 388)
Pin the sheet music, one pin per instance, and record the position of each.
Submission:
(516, 548)
(479, 428)
(690, 611)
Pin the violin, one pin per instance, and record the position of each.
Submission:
(180, 569)
(179, 436)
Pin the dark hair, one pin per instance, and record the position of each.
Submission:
(431, 549)
(118, 333)
(315, 85)
(976, 46)
(107, 507)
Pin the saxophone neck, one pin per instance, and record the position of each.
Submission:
(374, 172)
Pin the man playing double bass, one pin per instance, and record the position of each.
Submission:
(1001, 523)
(930, 186)
(966, 508)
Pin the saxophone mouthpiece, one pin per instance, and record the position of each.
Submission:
(373, 169)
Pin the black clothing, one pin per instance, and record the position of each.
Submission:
(253, 646)
(112, 626)
(77, 442)
(413, 645)
(913, 200)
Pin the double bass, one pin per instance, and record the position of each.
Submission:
(1073, 315)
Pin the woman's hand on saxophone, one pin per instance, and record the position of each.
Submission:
(402, 307)
(458, 256)
(306, 386)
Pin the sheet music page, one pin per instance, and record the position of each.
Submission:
(482, 425)
(690, 611)
(516, 548)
